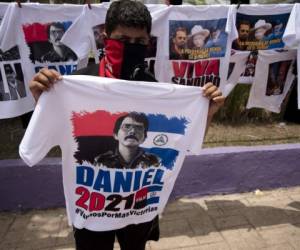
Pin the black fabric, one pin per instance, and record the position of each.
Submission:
(131, 237)
(133, 57)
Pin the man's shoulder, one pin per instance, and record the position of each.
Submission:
(92, 70)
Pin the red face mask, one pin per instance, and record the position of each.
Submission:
(121, 59)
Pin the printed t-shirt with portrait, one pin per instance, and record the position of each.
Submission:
(92, 22)
(14, 97)
(194, 44)
(260, 27)
(273, 79)
(291, 37)
(37, 29)
(121, 157)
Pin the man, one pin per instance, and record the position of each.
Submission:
(15, 86)
(178, 44)
(59, 52)
(130, 131)
(98, 31)
(243, 30)
(127, 31)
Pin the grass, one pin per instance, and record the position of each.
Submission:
(219, 134)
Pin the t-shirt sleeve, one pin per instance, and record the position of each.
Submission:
(230, 25)
(78, 36)
(290, 36)
(43, 130)
(8, 26)
(197, 132)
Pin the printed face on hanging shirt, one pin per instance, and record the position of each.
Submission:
(244, 31)
(55, 35)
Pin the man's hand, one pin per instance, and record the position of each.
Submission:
(216, 98)
(43, 81)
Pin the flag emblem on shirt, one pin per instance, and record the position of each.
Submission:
(94, 134)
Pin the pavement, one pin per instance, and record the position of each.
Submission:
(256, 220)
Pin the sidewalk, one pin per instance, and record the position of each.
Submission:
(265, 220)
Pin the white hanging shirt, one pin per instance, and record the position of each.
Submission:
(14, 97)
(236, 67)
(39, 42)
(102, 191)
(92, 22)
(291, 37)
(273, 79)
(266, 25)
(204, 56)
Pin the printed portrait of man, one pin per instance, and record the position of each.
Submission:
(99, 36)
(15, 83)
(59, 52)
(130, 131)
(178, 44)
(277, 77)
(244, 28)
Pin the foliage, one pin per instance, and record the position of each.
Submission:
(234, 110)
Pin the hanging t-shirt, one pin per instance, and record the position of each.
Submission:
(194, 44)
(92, 40)
(14, 97)
(120, 157)
(37, 30)
(237, 66)
(260, 27)
(291, 38)
(273, 79)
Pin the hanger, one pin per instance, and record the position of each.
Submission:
(19, 3)
(88, 2)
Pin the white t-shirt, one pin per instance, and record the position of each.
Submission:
(273, 79)
(79, 115)
(194, 44)
(15, 99)
(37, 29)
(291, 37)
(265, 25)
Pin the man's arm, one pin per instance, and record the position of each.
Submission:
(216, 98)
(43, 81)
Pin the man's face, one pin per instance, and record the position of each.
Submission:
(198, 41)
(244, 31)
(180, 38)
(131, 133)
(259, 33)
(55, 35)
(99, 35)
(11, 77)
(130, 35)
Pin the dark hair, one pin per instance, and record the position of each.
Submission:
(8, 69)
(184, 29)
(138, 117)
(244, 22)
(57, 25)
(127, 13)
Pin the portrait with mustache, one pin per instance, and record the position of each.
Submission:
(130, 131)
(59, 51)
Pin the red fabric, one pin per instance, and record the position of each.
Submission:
(111, 65)
(87, 124)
